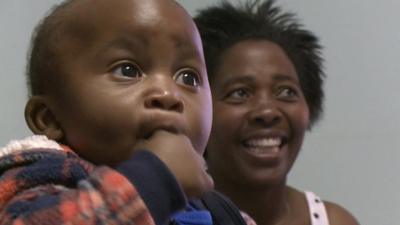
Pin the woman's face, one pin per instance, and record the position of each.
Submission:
(260, 115)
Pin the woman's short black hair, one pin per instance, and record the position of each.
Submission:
(224, 25)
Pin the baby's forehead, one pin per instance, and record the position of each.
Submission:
(85, 17)
(132, 17)
(139, 9)
(127, 26)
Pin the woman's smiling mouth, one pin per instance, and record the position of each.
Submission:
(264, 147)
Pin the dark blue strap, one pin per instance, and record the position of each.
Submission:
(192, 216)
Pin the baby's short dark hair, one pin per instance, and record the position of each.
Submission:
(224, 25)
(43, 65)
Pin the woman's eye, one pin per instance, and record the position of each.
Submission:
(287, 93)
(238, 94)
(128, 70)
(188, 78)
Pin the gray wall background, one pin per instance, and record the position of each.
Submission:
(351, 157)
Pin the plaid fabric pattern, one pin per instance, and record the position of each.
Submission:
(44, 186)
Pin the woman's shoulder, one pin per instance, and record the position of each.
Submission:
(328, 211)
(338, 215)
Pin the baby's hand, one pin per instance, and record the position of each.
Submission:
(178, 154)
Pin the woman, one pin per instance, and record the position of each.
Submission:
(266, 77)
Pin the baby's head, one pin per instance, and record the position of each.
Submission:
(104, 75)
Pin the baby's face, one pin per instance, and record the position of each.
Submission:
(129, 68)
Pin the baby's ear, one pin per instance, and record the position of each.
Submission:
(40, 118)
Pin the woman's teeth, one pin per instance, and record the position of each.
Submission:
(263, 145)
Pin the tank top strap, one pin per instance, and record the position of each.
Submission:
(317, 211)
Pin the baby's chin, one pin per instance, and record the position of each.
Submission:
(108, 160)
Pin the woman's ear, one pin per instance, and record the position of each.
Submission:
(40, 118)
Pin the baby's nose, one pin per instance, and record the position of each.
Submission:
(165, 100)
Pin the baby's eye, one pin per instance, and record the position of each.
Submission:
(188, 78)
(128, 70)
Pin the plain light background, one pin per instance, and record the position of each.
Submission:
(351, 157)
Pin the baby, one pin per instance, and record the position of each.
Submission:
(121, 108)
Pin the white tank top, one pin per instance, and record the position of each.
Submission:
(317, 209)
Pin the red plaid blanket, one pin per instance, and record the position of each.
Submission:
(46, 186)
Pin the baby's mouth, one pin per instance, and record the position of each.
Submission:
(171, 129)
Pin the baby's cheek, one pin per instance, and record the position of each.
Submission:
(199, 134)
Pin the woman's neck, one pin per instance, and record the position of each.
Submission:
(267, 206)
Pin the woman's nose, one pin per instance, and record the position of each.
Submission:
(265, 115)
